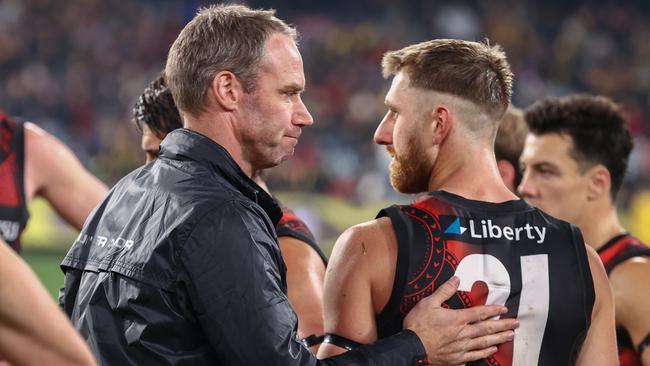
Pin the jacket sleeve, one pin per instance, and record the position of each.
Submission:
(235, 277)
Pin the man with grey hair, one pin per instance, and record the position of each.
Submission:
(180, 264)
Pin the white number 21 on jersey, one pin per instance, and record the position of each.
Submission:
(533, 302)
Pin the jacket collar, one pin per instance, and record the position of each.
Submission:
(191, 145)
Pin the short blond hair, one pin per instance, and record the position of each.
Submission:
(478, 72)
(511, 135)
(511, 138)
(220, 37)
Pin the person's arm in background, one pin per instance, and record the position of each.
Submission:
(53, 172)
(33, 330)
(599, 347)
(305, 273)
(632, 298)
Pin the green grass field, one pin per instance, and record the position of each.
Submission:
(46, 265)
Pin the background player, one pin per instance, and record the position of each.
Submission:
(35, 163)
(574, 162)
(508, 145)
(155, 115)
(444, 103)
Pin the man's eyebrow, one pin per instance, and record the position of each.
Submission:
(293, 88)
(543, 164)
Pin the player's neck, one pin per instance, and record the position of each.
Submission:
(473, 175)
(600, 226)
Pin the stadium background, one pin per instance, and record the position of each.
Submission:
(76, 67)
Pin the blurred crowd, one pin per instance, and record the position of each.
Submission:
(76, 68)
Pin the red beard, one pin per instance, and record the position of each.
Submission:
(409, 170)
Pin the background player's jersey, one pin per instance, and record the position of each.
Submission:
(504, 253)
(617, 250)
(292, 226)
(13, 208)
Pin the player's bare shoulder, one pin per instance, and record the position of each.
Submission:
(365, 242)
(368, 250)
(598, 273)
(40, 149)
(629, 280)
(38, 138)
(46, 159)
(52, 171)
(635, 266)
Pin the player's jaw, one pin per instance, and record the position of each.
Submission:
(409, 172)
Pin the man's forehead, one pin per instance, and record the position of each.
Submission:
(398, 88)
(551, 139)
(280, 50)
(548, 147)
(282, 63)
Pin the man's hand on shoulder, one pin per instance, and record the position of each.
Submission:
(454, 337)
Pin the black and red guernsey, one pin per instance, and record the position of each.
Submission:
(293, 226)
(616, 251)
(13, 206)
(504, 253)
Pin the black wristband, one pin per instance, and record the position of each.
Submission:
(312, 340)
(422, 358)
(340, 341)
(645, 343)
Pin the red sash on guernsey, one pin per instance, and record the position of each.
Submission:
(292, 226)
(13, 208)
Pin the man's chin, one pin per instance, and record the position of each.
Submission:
(280, 160)
(405, 187)
(403, 182)
(288, 155)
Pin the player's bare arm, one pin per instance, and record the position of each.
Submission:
(632, 297)
(33, 331)
(53, 172)
(348, 302)
(599, 347)
(305, 275)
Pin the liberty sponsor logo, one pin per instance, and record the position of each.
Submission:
(486, 228)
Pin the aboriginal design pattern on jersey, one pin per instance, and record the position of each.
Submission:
(440, 260)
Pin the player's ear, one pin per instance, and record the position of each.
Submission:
(507, 172)
(441, 122)
(226, 90)
(599, 182)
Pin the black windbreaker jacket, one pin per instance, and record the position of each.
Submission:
(180, 265)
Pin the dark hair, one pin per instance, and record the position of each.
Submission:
(596, 125)
(156, 109)
(478, 72)
(510, 140)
